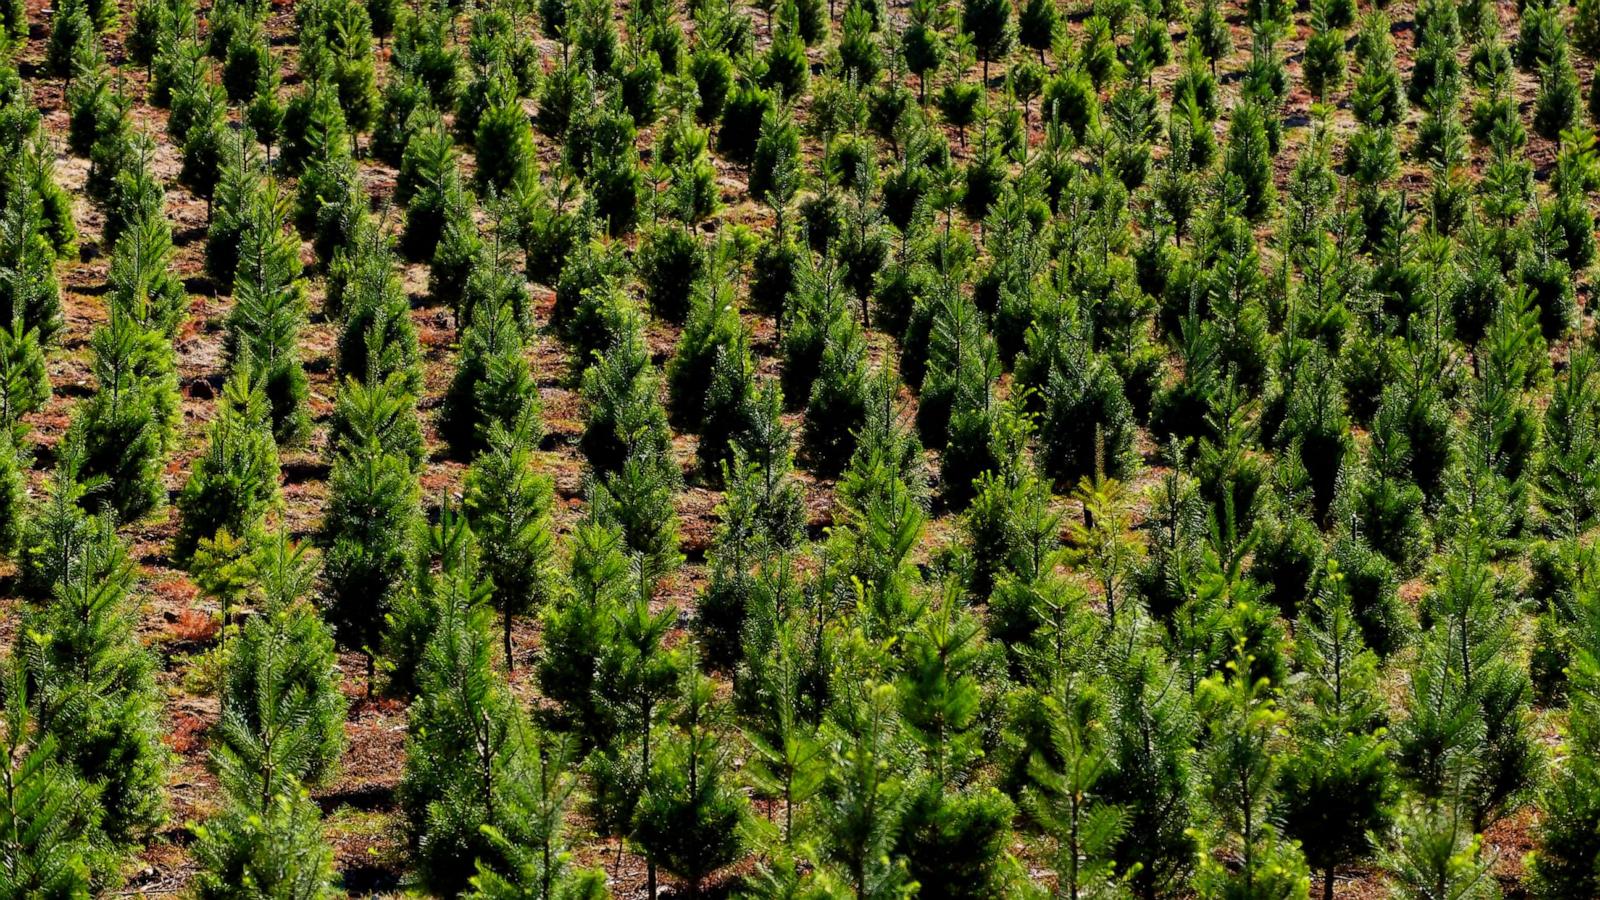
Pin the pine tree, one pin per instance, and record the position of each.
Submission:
(342, 31)
(242, 178)
(988, 23)
(788, 763)
(860, 805)
(1151, 769)
(1087, 423)
(788, 71)
(1437, 855)
(142, 282)
(382, 413)
(759, 516)
(1469, 699)
(125, 428)
(29, 290)
(379, 340)
(235, 482)
(465, 735)
(282, 721)
(747, 106)
(274, 851)
(94, 687)
(837, 405)
(247, 58)
(958, 839)
(1249, 159)
(939, 693)
(1569, 477)
(504, 142)
(493, 385)
(714, 331)
(538, 862)
(1337, 787)
(639, 499)
(1557, 106)
(578, 625)
(24, 379)
(95, 110)
(777, 151)
(509, 506)
(672, 262)
(1324, 64)
(1037, 26)
(367, 539)
(49, 814)
(613, 174)
(268, 313)
(1240, 771)
(949, 835)
(432, 189)
(1064, 799)
(202, 108)
(1586, 28)
(644, 678)
(448, 581)
(623, 413)
(1212, 35)
(71, 30)
(13, 491)
(1564, 863)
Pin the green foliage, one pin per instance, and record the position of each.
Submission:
(49, 812)
(988, 23)
(283, 714)
(714, 332)
(538, 862)
(493, 385)
(31, 294)
(505, 143)
(638, 498)
(1568, 487)
(611, 169)
(1238, 773)
(126, 427)
(1438, 855)
(368, 535)
(382, 414)
(691, 814)
(235, 481)
(1249, 159)
(1337, 788)
(1557, 106)
(837, 405)
(1325, 62)
(865, 795)
(623, 415)
(379, 339)
(671, 261)
(509, 506)
(1151, 772)
(94, 690)
(465, 741)
(1467, 737)
(72, 33)
(1564, 864)
(273, 851)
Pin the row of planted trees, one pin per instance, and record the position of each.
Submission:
(1225, 698)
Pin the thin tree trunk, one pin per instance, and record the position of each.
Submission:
(511, 662)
